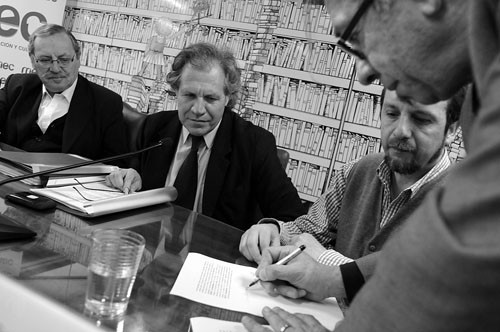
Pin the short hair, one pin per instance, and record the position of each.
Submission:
(203, 56)
(454, 107)
(50, 30)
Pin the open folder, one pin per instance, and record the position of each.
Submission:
(94, 198)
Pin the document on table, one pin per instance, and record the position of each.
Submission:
(96, 198)
(224, 285)
(205, 324)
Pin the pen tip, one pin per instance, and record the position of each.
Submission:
(302, 247)
(252, 283)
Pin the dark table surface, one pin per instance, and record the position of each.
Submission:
(54, 263)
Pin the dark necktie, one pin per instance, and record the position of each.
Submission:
(186, 181)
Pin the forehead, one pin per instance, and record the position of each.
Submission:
(211, 79)
(407, 105)
(56, 43)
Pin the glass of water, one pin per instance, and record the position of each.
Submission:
(114, 259)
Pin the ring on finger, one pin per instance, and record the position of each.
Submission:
(284, 327)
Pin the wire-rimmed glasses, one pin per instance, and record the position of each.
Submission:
(46, 62)
(92, 189)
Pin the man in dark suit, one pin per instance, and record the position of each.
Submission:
(58, 110)
(238, 169)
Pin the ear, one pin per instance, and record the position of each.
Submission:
(451, 133)
(430, 8)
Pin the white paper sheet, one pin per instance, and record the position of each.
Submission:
(224, 285)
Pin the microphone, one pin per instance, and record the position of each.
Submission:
(161, 142)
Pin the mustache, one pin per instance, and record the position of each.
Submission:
(402, 146)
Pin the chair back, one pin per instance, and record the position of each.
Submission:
(283, 156)
(134, 121)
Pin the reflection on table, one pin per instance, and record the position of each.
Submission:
(55, 262)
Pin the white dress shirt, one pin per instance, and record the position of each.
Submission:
(53, 107)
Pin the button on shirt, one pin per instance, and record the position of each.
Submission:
(204, 151)
(54, 107)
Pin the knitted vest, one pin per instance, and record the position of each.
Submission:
(51, 141)
(358, 231)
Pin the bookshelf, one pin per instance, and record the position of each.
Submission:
(297, 84)
(307, 95)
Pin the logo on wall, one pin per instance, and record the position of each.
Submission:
(18, 19)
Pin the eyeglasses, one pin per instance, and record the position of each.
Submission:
(343, 41)
(92, 189)
(46, 62)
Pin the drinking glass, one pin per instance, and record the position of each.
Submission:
(115, 255)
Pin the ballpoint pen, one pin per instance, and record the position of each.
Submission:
(283, 261)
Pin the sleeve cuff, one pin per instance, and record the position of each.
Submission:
(353, 279)
(333, 258)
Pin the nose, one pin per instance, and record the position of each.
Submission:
(55, 66)
(366, 73)
(403, 128)
(198, 107)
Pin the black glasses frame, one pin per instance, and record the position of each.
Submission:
(343, 41)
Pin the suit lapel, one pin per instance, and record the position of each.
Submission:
(160, 160)
(218, 164)
(80, 112)
(28, 116)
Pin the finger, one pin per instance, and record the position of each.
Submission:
(136, 185)
(289, 291)
(308, 320)
(293, 320)
(275, 320)
(275, 241)
(271, 255)
(255, 245)
(243, 246)
(252, 326)
(127, 182)
(269, 287)
(116, 179)
(107, 181)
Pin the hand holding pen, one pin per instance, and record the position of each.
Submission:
(302, 276)
(284, 261)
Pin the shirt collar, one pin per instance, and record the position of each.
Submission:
(207, 138)
(68, 93)
(384, 173)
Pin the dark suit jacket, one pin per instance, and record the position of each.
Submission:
(94, 126)
(243, 171)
